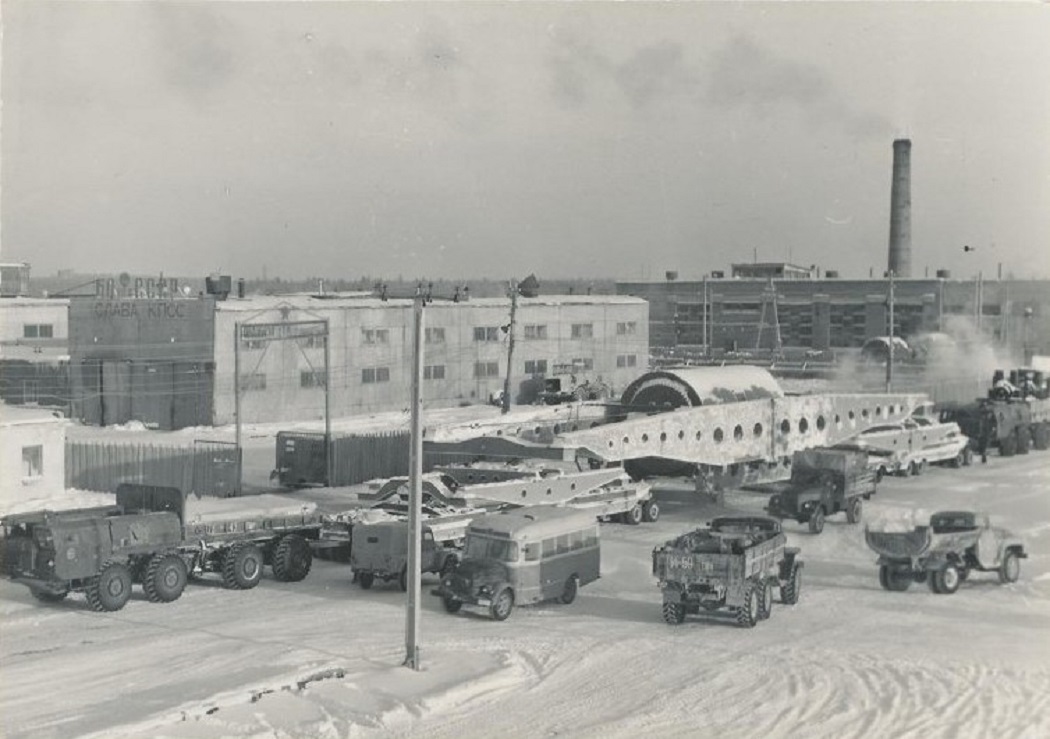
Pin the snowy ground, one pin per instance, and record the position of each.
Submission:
(322, 657)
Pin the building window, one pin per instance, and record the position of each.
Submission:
(435, 335)
(312, 342)
(375, 335)
(583, 330)
(33, 461)
(370, 375)
(434, 372)
(311, 378)
(626, 329)
(535, 331)
(486, 369)
(38, 331)
(582, 364)
(535, 366)
(254, 381)
(486, 333)
(627, 360)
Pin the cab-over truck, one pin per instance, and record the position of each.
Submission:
(152, 536)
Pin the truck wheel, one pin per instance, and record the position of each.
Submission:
(572, 586)
(957, 461)
(1007, 446)
(854, 510)
(46, 596)
(917, 467)
(946, 580)
(791, 588)
(765, 605)
(451, 604)
(111, 589)
(747, 615)
(634, 516)
(967, 457)
(242, 566)
(674, 613)
(816, 521)
(292, 559)
(1024, 440)
(165, 578)
(879, 474)
(365, 580)
(1010, 569)
(650, 511)
(895, 579)
(502, 604)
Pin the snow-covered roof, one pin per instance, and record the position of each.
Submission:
(11, 415)
(309, 303)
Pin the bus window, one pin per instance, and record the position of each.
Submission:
(577, 540)
(532, 552)
(550, 547)
(591, 538)
(563, 544)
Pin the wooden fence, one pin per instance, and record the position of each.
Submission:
(206, 468)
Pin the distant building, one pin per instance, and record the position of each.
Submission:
(34, 351)
(837, 313)
(32, 455)
(171, 362)
(14, 279)
(773, 271)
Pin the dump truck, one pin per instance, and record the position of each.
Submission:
(734, 563)
(379, 551)
(945, 552)
(157, 537)
(823, 482)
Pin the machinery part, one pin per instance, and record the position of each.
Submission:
(634, 516)
(451, 604)
(747, 615)
(242, 566)
(1010, 569)
(47, 596)
(816, 520)
(765, 605)
(945, 581)
(674, 613)
(650, 511)
(854, 510)
(292, 559)
(502, 604)
(896, 579)
(165, 578)
(365, 580)
(111, 589)
(792, 586)
(572, 587)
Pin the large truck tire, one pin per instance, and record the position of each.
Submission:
(502, 604)
(854, 509)
(1041, 436)
(674, 613)
(816, 520)
(792, 586)
(634, 516)
(765, 603)
(165, 578)
(242, 566)
(1008, 446)
(292, 559)
(1024, 439)
(111, 589)
(895, 579)
(747, 615)
(1010, 569)
(946, 580)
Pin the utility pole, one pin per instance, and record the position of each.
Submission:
(329, 462)
(237, 402)
(889, 360)
(415, 472)
(510, 345)
(703, 318)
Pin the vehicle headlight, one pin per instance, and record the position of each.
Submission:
(484, 590)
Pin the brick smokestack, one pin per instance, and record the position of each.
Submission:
(900, 210)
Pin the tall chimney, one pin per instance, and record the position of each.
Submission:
(900, 210)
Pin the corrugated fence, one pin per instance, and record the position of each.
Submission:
(361, 457)
(206, 468)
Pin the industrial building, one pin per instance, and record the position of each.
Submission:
(834, 313)
(172, 361)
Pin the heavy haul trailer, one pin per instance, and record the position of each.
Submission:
(157, 537)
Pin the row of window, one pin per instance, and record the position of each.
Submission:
(482, 370)
(563, 544)
(38, 331)
(434, 335)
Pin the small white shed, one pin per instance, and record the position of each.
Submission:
(32, 456)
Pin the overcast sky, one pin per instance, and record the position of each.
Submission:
(468, 139)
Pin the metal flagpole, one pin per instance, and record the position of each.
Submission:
(415, 471)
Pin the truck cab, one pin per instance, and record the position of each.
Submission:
(824, 482)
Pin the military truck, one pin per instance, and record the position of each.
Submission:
(944, 553)
(157, 537)
(380, 550)
(823, 482)
(1015, 417)
(735, 563)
